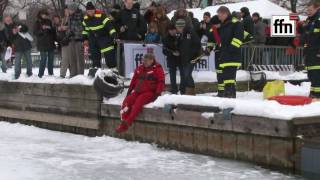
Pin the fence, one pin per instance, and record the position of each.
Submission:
(257, 54)
(270, 55)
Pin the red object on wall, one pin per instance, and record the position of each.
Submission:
(292, 100)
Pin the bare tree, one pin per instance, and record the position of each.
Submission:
(3, 6)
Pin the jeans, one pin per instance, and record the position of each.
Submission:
(173, 79)
(17, 64)
(46, 56)
(3, 62)
(188, 80)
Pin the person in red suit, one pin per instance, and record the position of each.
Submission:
(147, 84)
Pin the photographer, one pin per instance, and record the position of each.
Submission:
(22, 41)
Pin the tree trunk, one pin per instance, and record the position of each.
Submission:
(293, 4)
(3, 5)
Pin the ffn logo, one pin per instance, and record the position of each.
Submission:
(283, 26)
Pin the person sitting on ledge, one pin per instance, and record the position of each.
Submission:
(147, 84)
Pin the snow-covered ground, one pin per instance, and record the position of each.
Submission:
(29, 153)
(202, 76)
(247, 103)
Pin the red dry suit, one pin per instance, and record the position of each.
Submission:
(146, 85)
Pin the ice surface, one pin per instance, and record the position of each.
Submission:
(29, 153)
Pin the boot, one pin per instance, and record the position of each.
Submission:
(190, 91)
(220, 94)
(123, 127)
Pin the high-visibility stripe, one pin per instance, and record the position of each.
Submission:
(84, 24)
(210, 30)
(86, 17)
(210, 44)
(105, 20)
(315, 89)
(232, 64)
(106, 49)
(84, 32)
(219, 71)
(234, 20)
(220, 87)
(98, 15)
(313, 67)
(316, 30)
(235, 44)
(112, 31)
(87, 29)
(94, 28)
(230, 81)
(237, 40)
(246, 34)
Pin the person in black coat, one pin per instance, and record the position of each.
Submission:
(170, 49)
(247, 21)
(22, 42)
(132, 24)
(205, 24)
(189, 47)
(3, 46)
(46, 35)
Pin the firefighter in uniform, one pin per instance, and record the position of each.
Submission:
(231, 33)
(100, 34)
(312, 48)
(214, 43)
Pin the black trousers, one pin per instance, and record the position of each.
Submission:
(314, 77)
(99, 46)
(173, 78)
(229, 80)
(219, 72)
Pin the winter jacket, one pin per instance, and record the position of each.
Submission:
(99, 28)
(134, 23)
(45, 37)
(259, 32)
(170, 45)
(312, 41)
(248, 24)
(231, 33)
(3, 38)
(189, 45)
(8, 32)
(152, 38)
(75, 25)
(203, 31)
(148, 79)
(22, 43)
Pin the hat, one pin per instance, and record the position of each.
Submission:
(180, 23)
(73, 6)
(256, 14)
(90, 6)
(245, 10)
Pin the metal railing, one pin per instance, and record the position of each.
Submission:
(256, 54)
(270, 55)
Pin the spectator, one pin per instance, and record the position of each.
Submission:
(195, 22)
(74, 33)
(3, 47)
(189, 46)
(205, 24)
(63, 40)
(259, 29)
(162, 21)
(152, 35)
(45, 34)
(149, 15)
(170, 50)
(9, 25)
(22, 42)
(182, 14)
(132, 24)
(247, 20)
(146, 85)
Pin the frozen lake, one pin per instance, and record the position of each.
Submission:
(29, 153)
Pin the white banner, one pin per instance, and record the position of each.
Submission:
(134, 52)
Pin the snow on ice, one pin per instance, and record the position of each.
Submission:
(29, 153)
